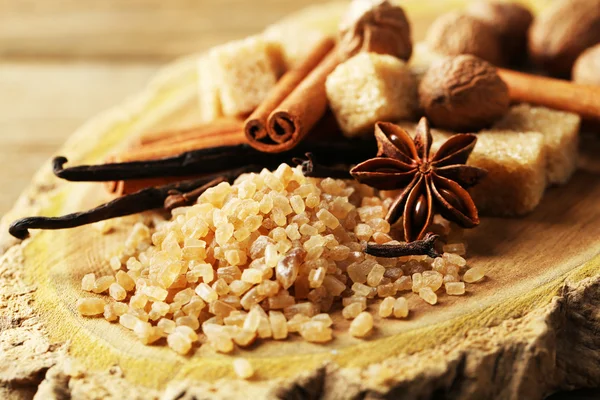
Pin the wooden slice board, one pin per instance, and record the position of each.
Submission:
(530, 328)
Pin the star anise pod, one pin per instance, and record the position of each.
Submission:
(431, 183)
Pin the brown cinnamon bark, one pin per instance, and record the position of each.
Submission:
(156, 145)
(256, 124)
(325, 129)
(553, 93)
(166, 148)
(296, 104)
(213, 129)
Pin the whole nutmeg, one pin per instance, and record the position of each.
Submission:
(511, 21)
(463, 93)
(454, 33)
(375, 27)
(587, 67)
(561, 32)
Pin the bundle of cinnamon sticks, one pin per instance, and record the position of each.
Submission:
(157, 145)
(296, 106)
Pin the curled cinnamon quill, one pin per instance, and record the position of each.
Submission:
(295, 104)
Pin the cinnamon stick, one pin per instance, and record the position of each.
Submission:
(166, 148)
(553, 93)
(215, 128)
(295, 105)
(159, 145)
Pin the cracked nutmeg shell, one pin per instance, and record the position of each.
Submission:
(457, 33)
(561, 32)
(463, 93)
(375, 26)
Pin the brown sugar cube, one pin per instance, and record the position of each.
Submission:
(368, 88)
(244, 72)
(208, 92)
(561, 136)
(516, 166)
(295, 41)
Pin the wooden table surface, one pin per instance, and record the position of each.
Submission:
(63, 61)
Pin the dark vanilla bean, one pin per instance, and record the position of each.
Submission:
(218, 163)
(195, 162)
(423, 247)
(211, 160)
(313, 169)
(143, 200)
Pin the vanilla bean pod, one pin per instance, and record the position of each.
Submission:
(312, 169)
(211, 160)
(231, 160)
(194, 162)
(423, 247)
(146, 199)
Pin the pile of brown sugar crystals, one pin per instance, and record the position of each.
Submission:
(264, 258)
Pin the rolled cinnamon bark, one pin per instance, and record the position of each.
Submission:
(167, 148)
(295, 105)
(215, 128)
(553, 93)
(163, 148)
(163, 144)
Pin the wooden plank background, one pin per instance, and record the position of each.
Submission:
(126, 29)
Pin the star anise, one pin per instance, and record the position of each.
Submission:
(431, 183)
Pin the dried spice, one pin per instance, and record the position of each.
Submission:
(450, 94)
(424, 247)
(146, 199)
(313, 169)
(431, 183)
(203, 161)
(379, 27)
(178, 199)
(211, 160)
(296, 104)
(216, 164)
